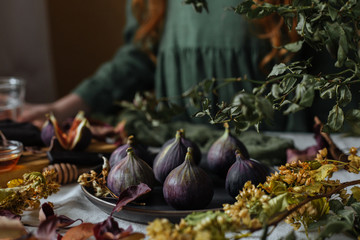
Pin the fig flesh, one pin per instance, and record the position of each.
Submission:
(244, 170)
(77, 137)
(221, 154)
(130, 171)
(188, 186)
(120, 153)
(171, 155)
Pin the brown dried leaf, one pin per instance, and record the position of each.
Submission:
(80, 232)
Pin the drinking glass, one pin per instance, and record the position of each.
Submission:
(12, 94)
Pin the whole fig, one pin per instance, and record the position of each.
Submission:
(187, 143)
(130, 171)
(244, 170)
(188, 186)
(169, 157)
(120, 153)
(77, 137)
(221, 153)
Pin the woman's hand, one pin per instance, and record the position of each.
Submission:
(63, 108)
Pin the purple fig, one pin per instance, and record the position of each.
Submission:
(221, 153)
(187, 143)
(188, 186)
(130, 171)
(244, 170)
(139, 150)
(47, 133)
(169, 157)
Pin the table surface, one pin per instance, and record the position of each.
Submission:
(71, 202)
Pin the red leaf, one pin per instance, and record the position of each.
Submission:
(109, 229)
(130, 194)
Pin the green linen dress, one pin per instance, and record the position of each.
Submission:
(194, 46)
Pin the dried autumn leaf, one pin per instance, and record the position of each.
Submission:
(80, 232)
(130, 194)
(11, 228)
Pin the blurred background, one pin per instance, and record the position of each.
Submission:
(54, 45)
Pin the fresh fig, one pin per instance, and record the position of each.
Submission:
(77, 137)
(221, 153)
(139, 150)
(243, 170)
(170, 156)
(188, 186)
(47, 133)
(130, 171)
(187, 143)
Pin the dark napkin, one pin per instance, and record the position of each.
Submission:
(25, 132)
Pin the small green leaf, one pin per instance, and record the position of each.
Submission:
(328, 93)
(308, 97)
(278, 69)
(334, 228)
(336, 205)
(335, 118)
(276, 90)
(345, 95)
(294, 47)
(199, 114)
(333, 12)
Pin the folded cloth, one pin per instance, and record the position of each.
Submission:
(25, 132)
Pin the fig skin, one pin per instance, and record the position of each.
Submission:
(244, 170)
(188, 186)
(197, 155)
(120, 152)
(47, 133)
(169, 157)
(132, 170)
(221, 153)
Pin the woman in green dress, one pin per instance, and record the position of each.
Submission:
(170, 48)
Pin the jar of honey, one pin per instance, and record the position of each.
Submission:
(10, 153)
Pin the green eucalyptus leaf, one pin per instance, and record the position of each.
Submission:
(278, 69)
(347, 215)
(344, 95)
(265, 107)
(328, 93)
(276, 90)
(333, 12)
(307, 97)
(356, 207)
(287, 84)
(199, 114)
(334, 228)
(292, 108)
(335, 118)
(294, 47)
(241, 126)
(336, 205)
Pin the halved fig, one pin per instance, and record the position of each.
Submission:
(78, 137)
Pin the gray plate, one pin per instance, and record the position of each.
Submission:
(156, 206)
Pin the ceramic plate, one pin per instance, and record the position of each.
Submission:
(156, 206)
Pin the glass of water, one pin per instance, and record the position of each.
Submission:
(12, 94)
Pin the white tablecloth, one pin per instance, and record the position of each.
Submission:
(70, 200)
